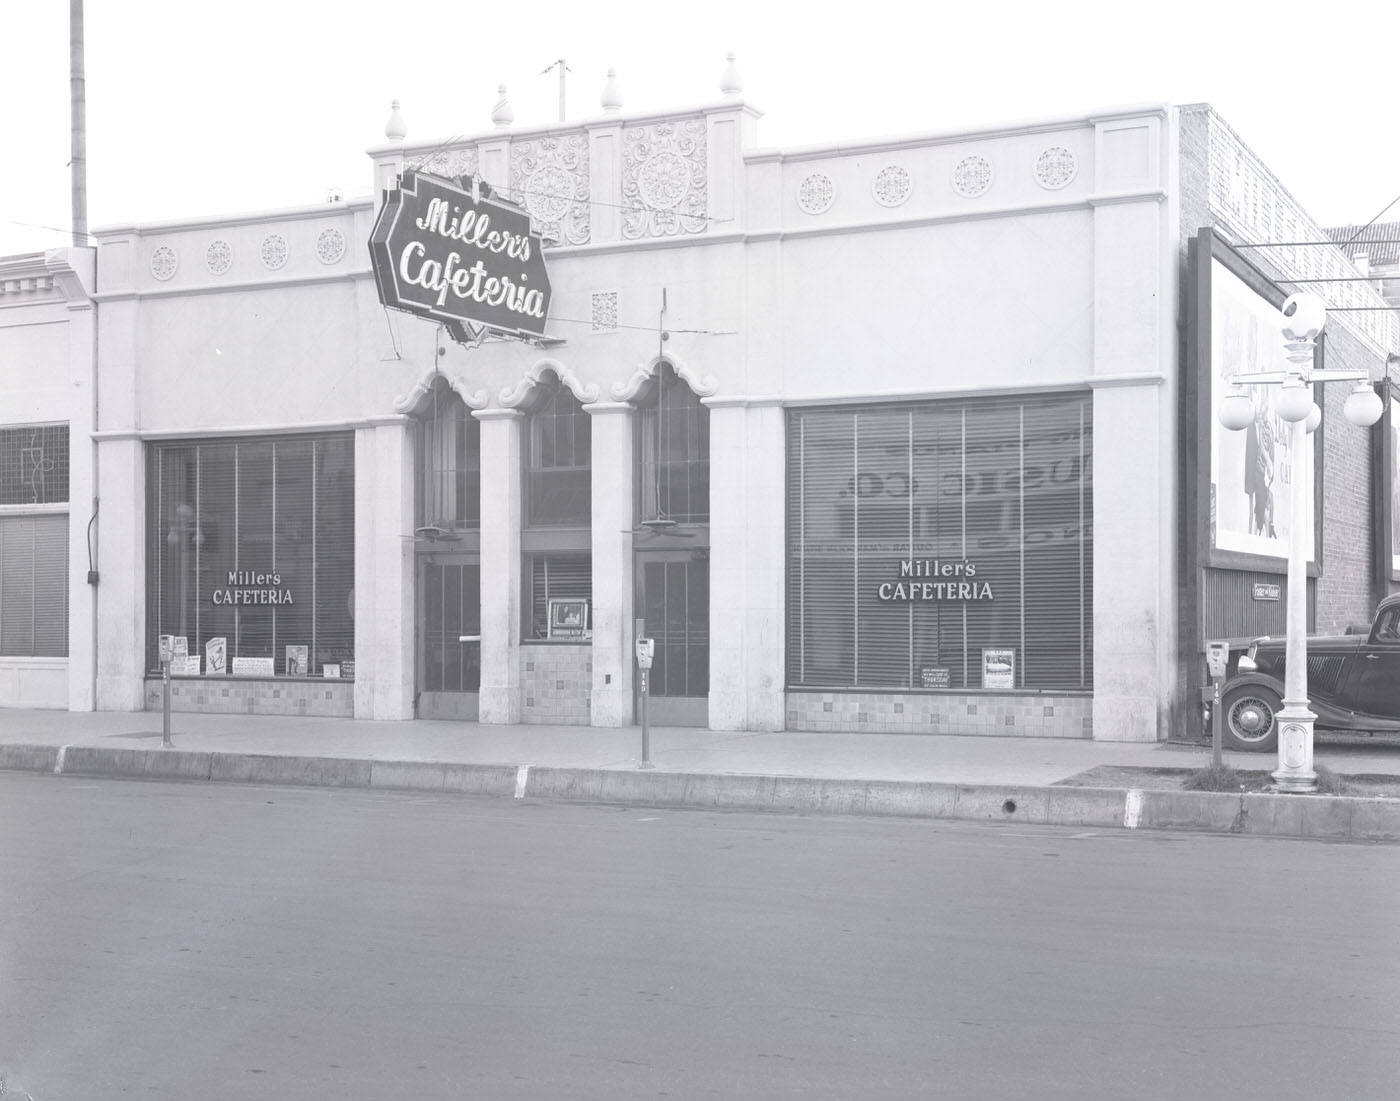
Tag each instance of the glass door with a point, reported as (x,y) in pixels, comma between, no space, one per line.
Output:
(673,597)
(449,607)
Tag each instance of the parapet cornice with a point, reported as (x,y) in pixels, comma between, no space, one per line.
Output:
(951,136)
(247,218)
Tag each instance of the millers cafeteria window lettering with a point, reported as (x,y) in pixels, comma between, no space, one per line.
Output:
(915,589)
(253,595)
(250,551)
(921,534)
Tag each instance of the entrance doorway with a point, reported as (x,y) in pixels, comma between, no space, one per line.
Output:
(449,606)
(673,597)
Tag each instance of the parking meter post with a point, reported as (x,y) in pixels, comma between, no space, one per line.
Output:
(1217,665)
(646,727)
(165,704)
(646,648)
(1215,735)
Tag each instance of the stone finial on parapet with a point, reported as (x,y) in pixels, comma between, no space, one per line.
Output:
(612,95)
(395,129)
(731,83)
(502,115)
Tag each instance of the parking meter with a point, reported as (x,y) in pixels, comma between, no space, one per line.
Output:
(1217,662)
(646,649)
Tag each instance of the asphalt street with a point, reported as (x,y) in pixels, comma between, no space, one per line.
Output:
(176,941)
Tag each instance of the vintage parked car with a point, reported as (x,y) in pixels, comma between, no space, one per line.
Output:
(1353,683)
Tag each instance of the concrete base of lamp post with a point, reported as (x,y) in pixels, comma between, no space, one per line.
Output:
(1295,748)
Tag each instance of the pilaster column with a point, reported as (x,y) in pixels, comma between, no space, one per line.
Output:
(746,566)
(121,604)
(384,613)
(501,490)
(605,182)
(1135,398)
(613,490)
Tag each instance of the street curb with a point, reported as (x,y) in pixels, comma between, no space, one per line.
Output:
(1346,818)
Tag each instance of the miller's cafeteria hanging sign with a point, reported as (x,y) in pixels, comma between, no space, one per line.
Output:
(460,256)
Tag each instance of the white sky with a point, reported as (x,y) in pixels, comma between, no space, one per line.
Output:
(200,108)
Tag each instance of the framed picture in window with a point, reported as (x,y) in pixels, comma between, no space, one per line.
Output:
(568,618)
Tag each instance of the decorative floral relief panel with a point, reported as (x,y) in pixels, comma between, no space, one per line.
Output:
(451,163)
(664,179)
(549,177)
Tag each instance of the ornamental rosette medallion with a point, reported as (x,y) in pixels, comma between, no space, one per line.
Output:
(330,245)
(816,193)
(164,262)
(972,176)
(274,251)
(892,186)
(1055,168)
(549,178)
(218,257)
(664,179)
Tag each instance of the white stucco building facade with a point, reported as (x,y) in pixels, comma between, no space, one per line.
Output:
(865,349)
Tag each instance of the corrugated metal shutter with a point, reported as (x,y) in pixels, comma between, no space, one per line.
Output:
(996,492)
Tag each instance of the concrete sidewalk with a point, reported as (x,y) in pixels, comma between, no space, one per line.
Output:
(933,775)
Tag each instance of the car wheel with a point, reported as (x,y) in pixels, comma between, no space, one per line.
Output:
(1251,718)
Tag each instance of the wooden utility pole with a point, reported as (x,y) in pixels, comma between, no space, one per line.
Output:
(78,97)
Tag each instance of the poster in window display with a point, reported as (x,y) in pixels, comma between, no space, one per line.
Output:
(215,656)
(568,618)
(998,668)
(297,658)
(1250,470)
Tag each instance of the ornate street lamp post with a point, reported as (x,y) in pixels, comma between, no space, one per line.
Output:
(1303,318)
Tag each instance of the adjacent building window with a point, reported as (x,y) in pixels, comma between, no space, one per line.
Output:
(558,474)
(34,544)
(449,462)
(942,545)
(251,541)
(675,452)
(34,586)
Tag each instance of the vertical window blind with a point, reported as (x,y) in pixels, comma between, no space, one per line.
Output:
(253,541)
(34,547)
(920,536)
(34,586)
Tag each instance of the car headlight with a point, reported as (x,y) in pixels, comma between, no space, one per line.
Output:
(1246,663)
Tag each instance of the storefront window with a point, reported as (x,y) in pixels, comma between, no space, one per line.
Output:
(252,554)
(34,541)
(943,545)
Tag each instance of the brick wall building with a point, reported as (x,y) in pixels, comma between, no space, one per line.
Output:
(1267,236)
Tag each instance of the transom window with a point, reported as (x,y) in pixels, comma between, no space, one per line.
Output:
(449,461)
(675,452)
(558,473)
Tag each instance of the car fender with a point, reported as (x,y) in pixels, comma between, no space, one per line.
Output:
(1259,680)
(1329,717)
